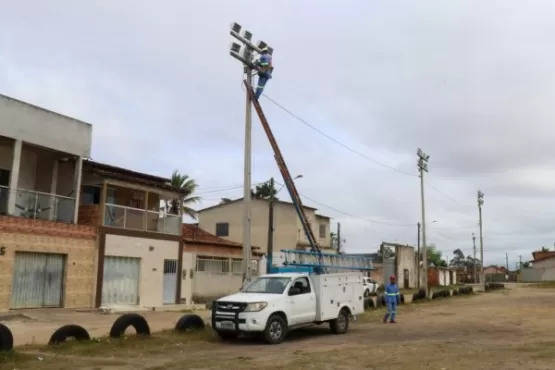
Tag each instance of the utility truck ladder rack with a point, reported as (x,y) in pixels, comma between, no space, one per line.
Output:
(286,175)
(329,261)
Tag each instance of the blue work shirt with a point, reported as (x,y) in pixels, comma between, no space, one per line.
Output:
(391,292)
(265,61)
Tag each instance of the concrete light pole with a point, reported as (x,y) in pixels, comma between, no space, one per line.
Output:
(423,167)
(480,204)
(245,54)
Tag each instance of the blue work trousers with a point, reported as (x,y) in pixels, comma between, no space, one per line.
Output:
(262,79)
(391,310)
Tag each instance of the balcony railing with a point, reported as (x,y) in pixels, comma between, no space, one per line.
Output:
(38,205)
(139,219)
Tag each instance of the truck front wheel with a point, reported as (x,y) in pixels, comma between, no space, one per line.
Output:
(341,324)
(276,330)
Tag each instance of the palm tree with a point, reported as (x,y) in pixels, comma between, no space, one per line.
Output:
(225,201)
(188,186)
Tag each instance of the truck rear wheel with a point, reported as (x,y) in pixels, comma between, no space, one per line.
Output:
(341,324)
(276,330)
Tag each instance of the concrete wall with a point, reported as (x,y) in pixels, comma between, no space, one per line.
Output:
(535,274)
(151,284)
(202,287)
(38,126)
(406,259)
(77,242)
(288,231)
(548,263)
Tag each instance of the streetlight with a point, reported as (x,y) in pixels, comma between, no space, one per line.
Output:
(244,52)
(271,226)
(418,253)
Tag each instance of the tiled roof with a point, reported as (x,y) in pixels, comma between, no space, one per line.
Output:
(118,173)
(193,234)
(256,198)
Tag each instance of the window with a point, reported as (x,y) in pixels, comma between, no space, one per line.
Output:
(222,229)
(90,195)
(303,285)
(322,231)
(270,285)
(4,178)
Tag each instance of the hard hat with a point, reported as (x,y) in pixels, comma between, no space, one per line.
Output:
(392,277)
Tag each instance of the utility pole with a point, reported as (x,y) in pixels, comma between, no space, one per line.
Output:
(520,262)
(507,260)
(474,276)
(245,54)
(271,226)
(480,204)
(423,167)
(338,237)
(418,268)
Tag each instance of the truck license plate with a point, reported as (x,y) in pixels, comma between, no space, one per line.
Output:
(229,325)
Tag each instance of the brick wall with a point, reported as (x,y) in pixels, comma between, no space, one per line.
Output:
(89,214)
(77,242)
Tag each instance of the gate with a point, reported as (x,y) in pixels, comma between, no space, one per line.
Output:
(38,280)
(170,281)
(120,284)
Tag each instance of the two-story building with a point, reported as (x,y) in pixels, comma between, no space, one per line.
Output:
(77,233)
(226,221)
(46,259)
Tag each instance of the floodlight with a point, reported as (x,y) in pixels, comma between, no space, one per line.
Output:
(235,47)
(236,27)
(261,45)
(247,35)
(270,50)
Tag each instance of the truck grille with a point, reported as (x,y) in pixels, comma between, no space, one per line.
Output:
(231,307)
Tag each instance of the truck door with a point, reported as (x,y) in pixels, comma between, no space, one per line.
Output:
(303,304)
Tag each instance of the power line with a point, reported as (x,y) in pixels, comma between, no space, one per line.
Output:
(335,140)
(350,214)
(345,146)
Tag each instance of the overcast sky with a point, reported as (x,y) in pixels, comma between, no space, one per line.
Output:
(470,82)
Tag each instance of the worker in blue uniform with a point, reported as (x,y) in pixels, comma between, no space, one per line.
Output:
(391,299)
(265,68)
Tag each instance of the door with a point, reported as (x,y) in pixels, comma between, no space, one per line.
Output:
(38,280)
(120,283)
(170,281)
(303,305)
(406,281)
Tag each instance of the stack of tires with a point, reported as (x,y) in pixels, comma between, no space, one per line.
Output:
(494,286)
(441,293)
(419,296)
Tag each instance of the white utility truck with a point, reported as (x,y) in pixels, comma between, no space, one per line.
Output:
(275,304)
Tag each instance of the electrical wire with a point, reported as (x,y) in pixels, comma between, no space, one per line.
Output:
(345,146)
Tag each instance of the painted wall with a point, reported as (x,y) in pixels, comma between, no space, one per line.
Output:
(152,253)
(38,126)
(406,259)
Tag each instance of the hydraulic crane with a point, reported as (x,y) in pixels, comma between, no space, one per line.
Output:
(297,260)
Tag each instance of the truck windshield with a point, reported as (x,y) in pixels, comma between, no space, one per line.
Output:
(271,285)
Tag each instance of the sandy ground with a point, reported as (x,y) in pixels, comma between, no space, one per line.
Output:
(511,329)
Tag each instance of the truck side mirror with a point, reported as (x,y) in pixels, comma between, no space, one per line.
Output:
(294,291)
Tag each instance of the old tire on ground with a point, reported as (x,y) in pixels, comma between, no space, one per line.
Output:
(66,332)
(379,301)
(368,303)
(416,297)
(276,330)
(123,322)
(228,335)
(455,292)
(189,323)
(341,324)
(382,300)
(401,298)
(6,339)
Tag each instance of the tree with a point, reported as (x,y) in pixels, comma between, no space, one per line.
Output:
(458,259)
(225,201)
(188,186)
(387,253)
(434,256)
(265,190)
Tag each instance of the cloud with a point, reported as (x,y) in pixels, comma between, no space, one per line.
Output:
(469,83)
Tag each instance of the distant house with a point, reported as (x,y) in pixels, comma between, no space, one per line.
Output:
(225,220)
(543,259)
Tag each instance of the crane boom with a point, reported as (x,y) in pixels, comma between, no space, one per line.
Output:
(289,183)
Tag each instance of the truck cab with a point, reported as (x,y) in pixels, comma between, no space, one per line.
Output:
(275,304)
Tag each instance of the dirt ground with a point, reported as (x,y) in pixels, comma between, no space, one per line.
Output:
(510,329)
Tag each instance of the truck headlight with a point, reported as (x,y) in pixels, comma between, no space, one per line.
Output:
(256,306)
